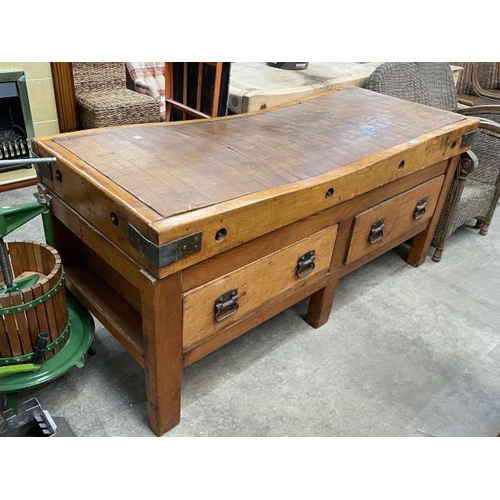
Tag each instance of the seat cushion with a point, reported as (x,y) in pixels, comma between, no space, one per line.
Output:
(149,78)
(105,108)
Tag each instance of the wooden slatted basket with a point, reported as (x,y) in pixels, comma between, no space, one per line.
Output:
(41,308)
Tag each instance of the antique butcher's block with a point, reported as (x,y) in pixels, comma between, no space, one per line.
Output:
(181,236)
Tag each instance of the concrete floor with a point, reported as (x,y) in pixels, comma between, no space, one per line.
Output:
(406,352)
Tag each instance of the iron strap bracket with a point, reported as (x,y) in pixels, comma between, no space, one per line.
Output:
(44,170)
(163,255)
(468,138)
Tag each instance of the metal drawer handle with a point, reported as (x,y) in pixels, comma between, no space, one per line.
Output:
(377,231)
(306,264)
(420,208)
(226,305)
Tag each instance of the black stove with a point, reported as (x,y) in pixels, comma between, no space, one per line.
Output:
(16,126)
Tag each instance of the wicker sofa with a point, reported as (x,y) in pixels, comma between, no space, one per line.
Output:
(104,100)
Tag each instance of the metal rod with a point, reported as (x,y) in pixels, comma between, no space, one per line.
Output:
(26,161)
(44,199)
(8,278)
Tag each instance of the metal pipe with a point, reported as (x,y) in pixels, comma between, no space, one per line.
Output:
(47,228)
(26,161)
(44,199)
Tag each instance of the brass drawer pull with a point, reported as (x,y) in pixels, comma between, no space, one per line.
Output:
(377,231)
(226,305)
(420,208)
(305,264)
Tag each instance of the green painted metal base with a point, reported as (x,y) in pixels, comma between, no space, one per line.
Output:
(20,284)
(72,354)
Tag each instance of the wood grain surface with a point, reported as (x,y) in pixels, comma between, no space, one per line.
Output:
(175,169)
(257,283)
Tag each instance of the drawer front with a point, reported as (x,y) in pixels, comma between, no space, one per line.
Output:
(386,221)
(212,307)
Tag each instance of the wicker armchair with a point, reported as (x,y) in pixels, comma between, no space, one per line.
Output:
(479,83)
(475,191)
(103,98)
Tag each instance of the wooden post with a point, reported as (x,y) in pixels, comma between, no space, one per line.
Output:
(217,85)
(169,90)
(422,242)
(162,335)
(64,91)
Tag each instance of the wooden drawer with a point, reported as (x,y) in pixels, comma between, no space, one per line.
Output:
(386,221)
(211,307)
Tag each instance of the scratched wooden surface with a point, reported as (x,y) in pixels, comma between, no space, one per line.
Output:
(174,169)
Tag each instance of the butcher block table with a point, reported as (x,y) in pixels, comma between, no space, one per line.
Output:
(179,237)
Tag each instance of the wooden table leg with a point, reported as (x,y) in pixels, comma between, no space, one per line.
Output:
(321,302)
(162,333)
(422,242)
(419,248)
(320,305)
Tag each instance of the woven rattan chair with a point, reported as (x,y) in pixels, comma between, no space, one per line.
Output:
(475,191)
(479,83)
(103,98)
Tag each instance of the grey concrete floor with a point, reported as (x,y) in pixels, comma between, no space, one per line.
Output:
(406,352)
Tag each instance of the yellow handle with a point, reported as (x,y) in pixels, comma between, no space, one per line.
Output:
(26,367)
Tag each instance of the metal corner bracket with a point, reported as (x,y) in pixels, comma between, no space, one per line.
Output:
(468,138)
(163,255)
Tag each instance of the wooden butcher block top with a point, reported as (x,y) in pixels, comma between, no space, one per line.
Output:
(245,174)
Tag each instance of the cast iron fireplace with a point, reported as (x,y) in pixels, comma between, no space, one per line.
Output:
(16,125)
